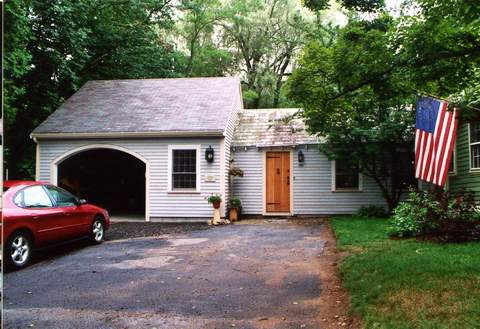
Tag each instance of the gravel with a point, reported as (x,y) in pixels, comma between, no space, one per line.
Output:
(126,230)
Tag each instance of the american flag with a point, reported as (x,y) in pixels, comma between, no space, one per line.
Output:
(435,133)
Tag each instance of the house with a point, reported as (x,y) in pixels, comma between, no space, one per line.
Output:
(465,165)
(155,149)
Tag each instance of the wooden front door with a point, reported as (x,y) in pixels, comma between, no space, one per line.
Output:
(278,182)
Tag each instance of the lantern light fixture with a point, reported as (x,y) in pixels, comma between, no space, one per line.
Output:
(209,154)
(301,156)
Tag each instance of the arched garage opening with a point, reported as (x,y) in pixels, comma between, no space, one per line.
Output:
(108,177)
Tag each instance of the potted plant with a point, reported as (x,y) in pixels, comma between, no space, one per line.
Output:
(235,205)
(215,200)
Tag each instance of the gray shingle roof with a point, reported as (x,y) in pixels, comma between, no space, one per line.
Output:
(147,105)
(271,127)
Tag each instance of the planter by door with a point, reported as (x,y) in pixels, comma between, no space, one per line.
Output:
(278,182)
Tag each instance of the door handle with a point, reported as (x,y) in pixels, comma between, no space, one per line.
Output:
(36,217)
(66,213)
(288,180)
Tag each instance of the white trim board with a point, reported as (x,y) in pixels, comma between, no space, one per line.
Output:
(474,169)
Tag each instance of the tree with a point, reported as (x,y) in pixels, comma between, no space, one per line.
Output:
(55,46)
(197,28)
(266,37)
(358,92)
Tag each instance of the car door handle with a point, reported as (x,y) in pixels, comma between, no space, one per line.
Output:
(66,213)
(36,217)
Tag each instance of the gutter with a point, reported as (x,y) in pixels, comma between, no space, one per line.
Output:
(214,133)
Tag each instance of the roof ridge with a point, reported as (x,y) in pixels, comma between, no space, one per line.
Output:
(181,78)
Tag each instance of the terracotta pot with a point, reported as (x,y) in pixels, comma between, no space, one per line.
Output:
(233,215)
(216,204)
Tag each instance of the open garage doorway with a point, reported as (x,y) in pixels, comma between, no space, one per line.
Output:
(112,179)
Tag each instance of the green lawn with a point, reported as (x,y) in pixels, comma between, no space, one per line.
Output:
(407,283)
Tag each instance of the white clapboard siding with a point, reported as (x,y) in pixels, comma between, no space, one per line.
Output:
(162,205)
(249,188)
(312,185)
(229,131)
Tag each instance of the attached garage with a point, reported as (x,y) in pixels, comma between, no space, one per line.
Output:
(138,147)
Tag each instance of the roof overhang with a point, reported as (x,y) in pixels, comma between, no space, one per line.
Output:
(89,135)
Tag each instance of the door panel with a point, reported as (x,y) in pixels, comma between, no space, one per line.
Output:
(278,182)
(74,219)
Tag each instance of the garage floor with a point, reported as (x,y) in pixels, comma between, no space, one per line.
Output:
(255,274)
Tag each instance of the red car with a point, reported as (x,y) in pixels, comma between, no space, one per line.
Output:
(36,214)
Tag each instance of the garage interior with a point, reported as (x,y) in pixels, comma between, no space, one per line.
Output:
(111,179)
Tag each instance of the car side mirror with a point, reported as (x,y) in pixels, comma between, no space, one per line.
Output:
(81,202)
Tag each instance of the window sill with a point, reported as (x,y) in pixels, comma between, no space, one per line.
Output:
(347,191)
(183,192)
(474,171)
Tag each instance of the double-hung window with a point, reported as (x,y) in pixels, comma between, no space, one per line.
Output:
(184,168)
(474,145)
(346,176)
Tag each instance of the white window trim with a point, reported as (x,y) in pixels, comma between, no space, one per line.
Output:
(470,144)
(334,182)
(195,147)
(453,172)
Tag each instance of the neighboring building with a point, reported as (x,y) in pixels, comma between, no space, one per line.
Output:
(138,148)
(465,166)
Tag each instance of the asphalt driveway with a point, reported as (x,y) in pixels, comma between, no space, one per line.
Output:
(255,274)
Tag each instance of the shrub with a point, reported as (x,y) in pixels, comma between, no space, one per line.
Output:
(437,213)
(372,211)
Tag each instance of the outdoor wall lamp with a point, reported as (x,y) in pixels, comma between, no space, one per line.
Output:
(209,154)
(301,156)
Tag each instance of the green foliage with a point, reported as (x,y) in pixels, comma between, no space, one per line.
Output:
(197,28)
(371,211)
(409,218)
(359,5)
(358,91)
(407,283)
(437,213)
(211,62)
(235,203)
(265,38)
(214,198)
(53,47)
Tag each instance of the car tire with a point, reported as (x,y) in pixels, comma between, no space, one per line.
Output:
(97,230)
(18,250)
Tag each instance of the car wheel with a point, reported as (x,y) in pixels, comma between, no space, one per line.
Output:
(97,234)
(18,251)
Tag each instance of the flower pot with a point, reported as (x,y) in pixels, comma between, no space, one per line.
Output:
(233,215)
(216,204)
